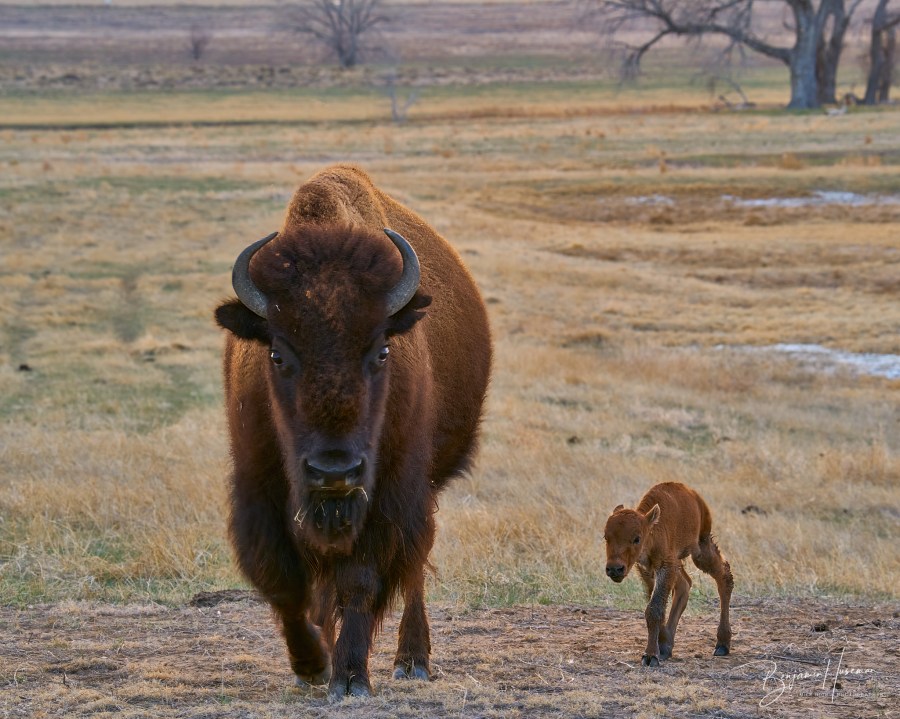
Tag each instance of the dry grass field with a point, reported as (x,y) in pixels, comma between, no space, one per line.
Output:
(640,252)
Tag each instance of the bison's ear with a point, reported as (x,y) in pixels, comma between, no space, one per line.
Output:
(409,315)
(242,322)
(653,515)
(619,508)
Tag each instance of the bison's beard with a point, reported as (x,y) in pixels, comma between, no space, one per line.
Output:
(331,520)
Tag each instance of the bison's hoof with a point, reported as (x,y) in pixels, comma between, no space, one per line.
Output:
(359,688)
(356,687)
(721,651)
(411,670)
(305,681)
(665,651)
(650,661)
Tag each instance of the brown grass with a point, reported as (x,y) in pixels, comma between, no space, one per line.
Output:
(621,328)
(609,375)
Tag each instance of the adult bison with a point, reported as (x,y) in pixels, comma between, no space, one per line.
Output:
(349,407)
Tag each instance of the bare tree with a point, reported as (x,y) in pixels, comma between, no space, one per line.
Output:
(882,54)
(200,36)
(339,25)
(399,108)
(818,28)
(831,45)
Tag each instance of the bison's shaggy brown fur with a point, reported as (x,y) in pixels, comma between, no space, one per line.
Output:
(670,523)
(346,421)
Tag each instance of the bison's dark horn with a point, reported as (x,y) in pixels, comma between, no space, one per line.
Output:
(404,290)
(248,293)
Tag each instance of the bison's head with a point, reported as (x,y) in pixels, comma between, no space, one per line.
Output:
(626,535)
(322,307)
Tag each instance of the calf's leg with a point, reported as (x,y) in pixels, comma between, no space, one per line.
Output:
(679,602)
(656,610)
(647,579)
(709,559)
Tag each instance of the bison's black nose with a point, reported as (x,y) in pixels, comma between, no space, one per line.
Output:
(334,470)
(615,571)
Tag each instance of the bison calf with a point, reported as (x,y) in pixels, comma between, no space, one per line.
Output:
(671,522)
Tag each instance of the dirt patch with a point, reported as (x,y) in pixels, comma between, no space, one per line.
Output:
(790,659)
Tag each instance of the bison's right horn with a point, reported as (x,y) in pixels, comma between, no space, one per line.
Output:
(248,293)
(406,287)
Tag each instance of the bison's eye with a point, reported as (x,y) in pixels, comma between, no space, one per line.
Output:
(637,540)
(276,358)
(382,356)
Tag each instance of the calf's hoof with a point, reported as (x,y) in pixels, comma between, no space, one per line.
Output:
(721,651)
(649,661)
(411,670)
(353,687)
(665,651)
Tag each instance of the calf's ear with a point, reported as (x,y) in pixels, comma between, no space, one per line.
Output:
(653,515)
(621,506)
(242,322)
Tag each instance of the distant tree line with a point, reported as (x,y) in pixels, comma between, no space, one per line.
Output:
(339,25)
(818,29)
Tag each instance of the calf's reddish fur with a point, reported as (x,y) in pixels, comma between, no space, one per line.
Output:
(670,523)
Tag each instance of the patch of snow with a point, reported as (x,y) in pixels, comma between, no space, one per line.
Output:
(879,365)
(818,357)
(652,200)
(819,198)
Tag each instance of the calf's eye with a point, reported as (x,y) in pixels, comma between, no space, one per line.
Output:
(637,540)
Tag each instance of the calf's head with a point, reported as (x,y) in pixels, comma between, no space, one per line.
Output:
(321,308)
(626,534)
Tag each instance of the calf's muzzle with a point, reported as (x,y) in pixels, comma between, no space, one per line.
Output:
(616,572)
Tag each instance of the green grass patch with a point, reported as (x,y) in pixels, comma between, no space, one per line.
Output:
(140,396)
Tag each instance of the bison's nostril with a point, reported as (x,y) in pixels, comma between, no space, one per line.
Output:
(313,475)
(613,570)
(331,472)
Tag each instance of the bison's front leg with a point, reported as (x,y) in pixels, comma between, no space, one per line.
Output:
(308,657)
(268,559)
(360,599)
(414,640)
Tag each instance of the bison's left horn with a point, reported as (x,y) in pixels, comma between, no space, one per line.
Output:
(248,293)
(404,290)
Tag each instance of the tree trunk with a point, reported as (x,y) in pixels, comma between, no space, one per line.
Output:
(829,51)
(882,50)
(890,51)
(802,63)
